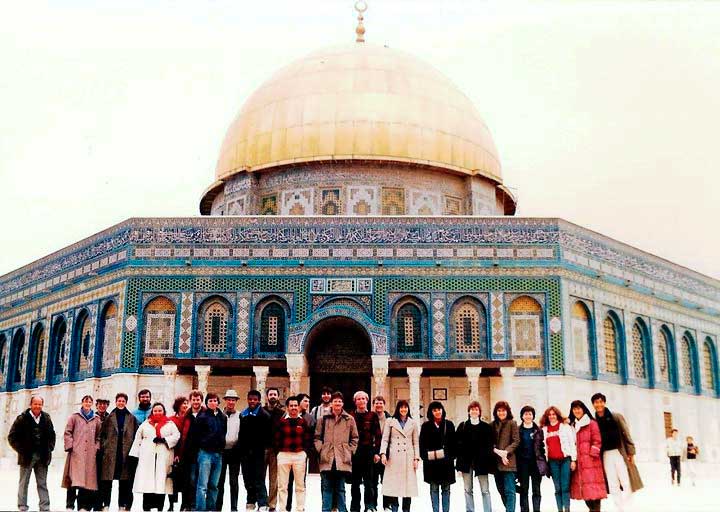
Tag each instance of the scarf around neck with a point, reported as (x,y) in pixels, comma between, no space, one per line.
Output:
(582,422)
(87,416)
(158,423)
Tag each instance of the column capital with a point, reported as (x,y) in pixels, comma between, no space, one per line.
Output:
(507,372)
(414,372)
(293,361)
(170,370)
(261,372)
(380,363)
(473,372)
(203,369)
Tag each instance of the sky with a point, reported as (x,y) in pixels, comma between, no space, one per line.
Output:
(605,114)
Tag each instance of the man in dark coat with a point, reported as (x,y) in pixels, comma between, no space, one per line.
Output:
(188,451)
(618,453)
(254,439)
(211,427)
(116,438)
(32,436)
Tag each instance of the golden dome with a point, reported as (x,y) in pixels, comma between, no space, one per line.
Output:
(359,102)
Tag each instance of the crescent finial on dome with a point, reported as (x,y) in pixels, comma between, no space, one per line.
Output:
(360,7)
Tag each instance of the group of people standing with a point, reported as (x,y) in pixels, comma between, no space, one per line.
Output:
(194,451)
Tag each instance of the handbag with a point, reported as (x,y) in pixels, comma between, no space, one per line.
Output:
(439,454)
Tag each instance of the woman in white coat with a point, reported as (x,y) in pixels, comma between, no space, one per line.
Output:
(153,446)
(400,453)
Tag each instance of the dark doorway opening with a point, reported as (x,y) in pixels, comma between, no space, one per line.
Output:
(338,353)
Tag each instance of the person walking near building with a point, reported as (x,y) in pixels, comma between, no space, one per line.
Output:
(211,429)
(379,467)
(507,440)
(587,482)
(437,450)
(188,452)
(143,409)
(366,455)
(531,462)
(32,436)
(254,439)
(116,439)
(400,456)
(292,440)
(559,439)
(82,441)
(618,453)
(230,455)
(317,412)
(674,450)
(153,446)
(276,411)
(691,454)
(180,407)
(475,442)
(336,440)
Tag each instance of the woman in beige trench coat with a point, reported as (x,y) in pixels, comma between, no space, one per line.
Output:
(400,453)
(82,441)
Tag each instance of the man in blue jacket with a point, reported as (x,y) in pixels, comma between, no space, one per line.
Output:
(211,427)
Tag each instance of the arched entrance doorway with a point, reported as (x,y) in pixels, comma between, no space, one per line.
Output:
(338,353)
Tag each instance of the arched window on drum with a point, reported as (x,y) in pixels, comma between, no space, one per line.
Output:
(688,361)
(468,328)
(3,353)
(58,350)
(17,359)
(81,351)
(107,336)
(640,356)
(611,342)
(214,328)
(159,332)
(709,367)
(410,328)
(38,345)
(526,327)
(581,332)
(273,324)
(664,349)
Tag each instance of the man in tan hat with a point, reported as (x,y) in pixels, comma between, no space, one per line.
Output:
(231,454)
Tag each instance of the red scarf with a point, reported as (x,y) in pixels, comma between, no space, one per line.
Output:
(158,422)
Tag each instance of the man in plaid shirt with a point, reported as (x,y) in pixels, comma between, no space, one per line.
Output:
(293,439)
(367,454)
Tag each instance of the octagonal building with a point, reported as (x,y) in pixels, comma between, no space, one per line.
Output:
(357,234)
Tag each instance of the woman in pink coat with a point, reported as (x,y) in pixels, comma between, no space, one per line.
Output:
(588,480)
(82,441)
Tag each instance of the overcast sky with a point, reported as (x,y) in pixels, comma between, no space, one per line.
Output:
(606,114)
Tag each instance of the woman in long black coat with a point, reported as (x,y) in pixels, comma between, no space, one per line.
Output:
(437,450)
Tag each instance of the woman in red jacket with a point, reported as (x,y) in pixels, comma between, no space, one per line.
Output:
(588,480)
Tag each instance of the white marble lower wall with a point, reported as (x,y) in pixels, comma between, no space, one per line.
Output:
(643,408)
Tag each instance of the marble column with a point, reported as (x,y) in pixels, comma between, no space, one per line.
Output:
(296,370)
(473,375)
(261,373)
(380,370)
(170,373)
(414,373)
(203,372)
(507,374)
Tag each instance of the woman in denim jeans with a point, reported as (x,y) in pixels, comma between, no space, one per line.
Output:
(475,440)
(437,448)
(507,439)
(561,453)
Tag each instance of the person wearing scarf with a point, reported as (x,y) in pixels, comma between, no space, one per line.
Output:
(154,446)
(588,480)
(82,442)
